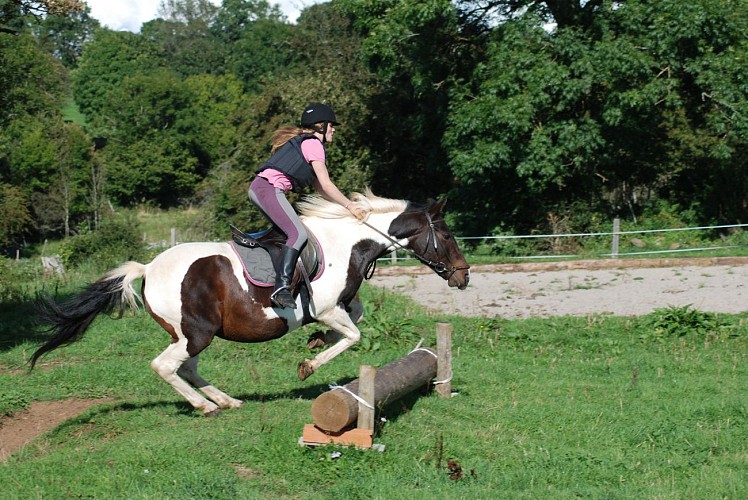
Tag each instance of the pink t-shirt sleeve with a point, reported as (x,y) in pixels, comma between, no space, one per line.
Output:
(313,150)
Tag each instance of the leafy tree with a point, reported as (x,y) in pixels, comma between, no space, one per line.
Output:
(31,81)
(15,216)
(153,169)
(50,161)
(65,35)
(604,116)
(183,37)
(105,62)
(414,50)
(14,12)
(257,39)
(562,13)
(263,49)
(210,123)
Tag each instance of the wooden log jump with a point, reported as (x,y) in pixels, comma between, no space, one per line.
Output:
(336,409)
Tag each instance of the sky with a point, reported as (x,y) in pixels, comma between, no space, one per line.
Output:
(129,15)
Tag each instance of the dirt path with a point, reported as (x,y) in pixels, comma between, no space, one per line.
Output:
(41,417)
(622,288)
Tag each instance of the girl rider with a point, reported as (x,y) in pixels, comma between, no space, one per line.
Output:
(297,161)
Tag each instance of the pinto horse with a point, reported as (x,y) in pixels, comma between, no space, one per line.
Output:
(198,291)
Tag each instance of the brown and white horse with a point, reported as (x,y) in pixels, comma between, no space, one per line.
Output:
(198,291)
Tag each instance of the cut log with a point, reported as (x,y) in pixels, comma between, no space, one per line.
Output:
(336,409)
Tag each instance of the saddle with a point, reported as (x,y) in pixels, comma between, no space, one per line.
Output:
(260,255)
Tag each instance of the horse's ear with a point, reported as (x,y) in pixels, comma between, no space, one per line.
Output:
(438,207)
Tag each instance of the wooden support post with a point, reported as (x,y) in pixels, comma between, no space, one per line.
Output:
(444,359)
(174,236)
(366,387)
(336,409)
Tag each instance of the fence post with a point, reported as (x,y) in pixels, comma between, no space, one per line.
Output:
(366,384)
(444,359)
(174,236)
(616,231)
(393,257)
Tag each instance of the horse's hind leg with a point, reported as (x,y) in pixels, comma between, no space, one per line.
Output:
(188,371)
(168,363)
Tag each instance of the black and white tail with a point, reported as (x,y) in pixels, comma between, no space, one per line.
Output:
(69,320)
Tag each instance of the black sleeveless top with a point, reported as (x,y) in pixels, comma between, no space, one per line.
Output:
(290,160)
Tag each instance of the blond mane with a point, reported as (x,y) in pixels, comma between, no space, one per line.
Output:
(316,206)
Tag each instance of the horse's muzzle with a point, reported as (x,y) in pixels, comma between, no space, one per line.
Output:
(460,277)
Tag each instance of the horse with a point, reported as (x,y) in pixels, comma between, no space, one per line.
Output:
(198,291)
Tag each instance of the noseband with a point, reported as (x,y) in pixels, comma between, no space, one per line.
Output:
(438,267)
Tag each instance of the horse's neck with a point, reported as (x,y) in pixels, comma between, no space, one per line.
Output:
(338,233)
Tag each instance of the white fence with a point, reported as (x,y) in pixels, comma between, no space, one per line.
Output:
(615,241)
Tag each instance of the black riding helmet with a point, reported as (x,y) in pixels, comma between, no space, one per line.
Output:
(318,113)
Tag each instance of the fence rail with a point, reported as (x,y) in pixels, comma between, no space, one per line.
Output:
(615,234)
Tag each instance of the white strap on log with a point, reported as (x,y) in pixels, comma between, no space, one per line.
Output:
(355,396)
(419,348)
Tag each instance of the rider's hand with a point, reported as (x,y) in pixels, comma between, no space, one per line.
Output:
(358,210)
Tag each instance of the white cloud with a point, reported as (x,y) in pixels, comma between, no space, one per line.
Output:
(129,15)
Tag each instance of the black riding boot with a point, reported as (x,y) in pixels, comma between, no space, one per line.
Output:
(282,296)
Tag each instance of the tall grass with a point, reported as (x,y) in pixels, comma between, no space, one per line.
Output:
(600,407)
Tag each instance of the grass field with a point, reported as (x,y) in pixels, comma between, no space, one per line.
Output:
(596,407)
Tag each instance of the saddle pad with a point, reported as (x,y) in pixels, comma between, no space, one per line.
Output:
(258,267)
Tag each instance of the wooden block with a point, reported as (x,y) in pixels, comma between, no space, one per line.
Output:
(360,438)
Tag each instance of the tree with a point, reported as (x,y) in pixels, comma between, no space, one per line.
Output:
(31,81)
(13,12)
(154,169)
(49,160)
(105,62)
(15,217)
(562,13)
(183,37)
(614,117)
(65,35)
(257,38)
(414,51)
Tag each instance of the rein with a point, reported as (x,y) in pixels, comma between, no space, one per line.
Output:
(439,268)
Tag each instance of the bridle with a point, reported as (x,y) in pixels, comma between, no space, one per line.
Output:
(438,267)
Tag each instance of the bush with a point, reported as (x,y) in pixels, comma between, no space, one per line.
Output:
(117,241)
(17,280)
(680,321)
(12,402)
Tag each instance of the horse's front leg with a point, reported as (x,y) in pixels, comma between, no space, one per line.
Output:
(355,311)
(340,321)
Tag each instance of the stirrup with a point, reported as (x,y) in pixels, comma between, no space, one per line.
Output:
(283,300)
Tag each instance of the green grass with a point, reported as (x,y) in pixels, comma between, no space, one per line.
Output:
(599,407)
(70,112)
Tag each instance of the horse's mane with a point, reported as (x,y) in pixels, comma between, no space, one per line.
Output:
(316,206)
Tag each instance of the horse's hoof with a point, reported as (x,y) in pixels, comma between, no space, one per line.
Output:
(305,369)
(317,339)
(213,413)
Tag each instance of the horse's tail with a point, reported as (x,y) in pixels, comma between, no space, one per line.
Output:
(69,320)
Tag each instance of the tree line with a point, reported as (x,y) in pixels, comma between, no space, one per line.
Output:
(529,115)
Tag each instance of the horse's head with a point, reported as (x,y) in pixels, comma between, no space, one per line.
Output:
(432,242)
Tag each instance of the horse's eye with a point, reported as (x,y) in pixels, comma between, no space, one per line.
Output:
(447,236)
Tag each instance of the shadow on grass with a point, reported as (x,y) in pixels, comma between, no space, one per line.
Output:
(184,408)
(18,325)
